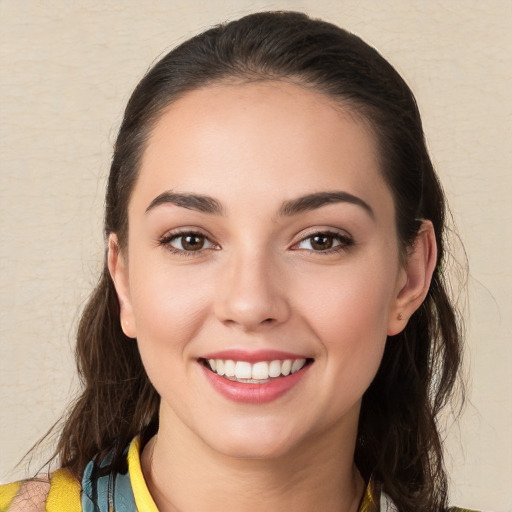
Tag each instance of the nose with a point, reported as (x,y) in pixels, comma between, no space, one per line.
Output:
(252,293)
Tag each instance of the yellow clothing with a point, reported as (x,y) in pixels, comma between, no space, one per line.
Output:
(63,493)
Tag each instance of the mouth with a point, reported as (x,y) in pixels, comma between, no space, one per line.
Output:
(260,372)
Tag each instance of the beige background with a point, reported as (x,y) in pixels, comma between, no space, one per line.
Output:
(67,69)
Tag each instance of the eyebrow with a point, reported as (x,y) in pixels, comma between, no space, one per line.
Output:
(209,205)
(200,203)
(319,199)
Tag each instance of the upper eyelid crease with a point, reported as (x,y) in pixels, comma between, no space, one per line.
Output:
(344,238)
(180,234)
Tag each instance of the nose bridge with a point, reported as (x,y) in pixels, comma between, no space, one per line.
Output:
(250,293)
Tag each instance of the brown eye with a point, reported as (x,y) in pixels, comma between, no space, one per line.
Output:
(321,242)
(192,242)
(188,242)
(325,242)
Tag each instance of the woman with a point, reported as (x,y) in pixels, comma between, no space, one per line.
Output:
(271,330)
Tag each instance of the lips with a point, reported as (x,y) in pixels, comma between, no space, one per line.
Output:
(255,377)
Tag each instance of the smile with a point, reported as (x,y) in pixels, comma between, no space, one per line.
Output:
(254,377)
(255,373)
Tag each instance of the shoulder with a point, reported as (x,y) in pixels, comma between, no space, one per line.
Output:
(28,495)
(57,492)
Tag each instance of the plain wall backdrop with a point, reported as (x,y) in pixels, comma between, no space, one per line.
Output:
(66,71)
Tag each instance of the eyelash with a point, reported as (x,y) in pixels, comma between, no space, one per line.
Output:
(345,241)
(166,240)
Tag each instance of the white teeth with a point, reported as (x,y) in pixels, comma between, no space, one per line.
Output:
(260,371)
(274,369)
(298,364)
(286,367)
(243,370)
(229,368)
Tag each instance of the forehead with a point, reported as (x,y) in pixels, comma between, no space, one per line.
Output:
(274,139)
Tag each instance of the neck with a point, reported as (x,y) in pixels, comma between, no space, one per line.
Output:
(184,474)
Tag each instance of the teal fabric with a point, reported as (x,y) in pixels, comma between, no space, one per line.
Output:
(107,493)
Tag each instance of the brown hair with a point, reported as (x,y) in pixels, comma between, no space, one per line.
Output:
(398,441)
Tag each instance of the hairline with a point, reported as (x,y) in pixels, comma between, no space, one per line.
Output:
(352,108)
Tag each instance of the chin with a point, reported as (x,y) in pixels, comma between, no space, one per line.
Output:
(253,443)
(265,451)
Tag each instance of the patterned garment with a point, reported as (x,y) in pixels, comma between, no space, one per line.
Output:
(128,492)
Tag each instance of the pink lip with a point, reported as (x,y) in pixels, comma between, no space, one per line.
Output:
(254,393)
(253,357)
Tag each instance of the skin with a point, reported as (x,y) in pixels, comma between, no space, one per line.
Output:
(259,283)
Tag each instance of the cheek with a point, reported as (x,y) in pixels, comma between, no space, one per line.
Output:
(169,303)
(169,309)
(352,299)
(348,311)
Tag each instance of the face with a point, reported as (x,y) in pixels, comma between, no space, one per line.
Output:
(261,246)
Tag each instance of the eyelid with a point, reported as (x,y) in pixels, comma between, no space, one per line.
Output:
(346,240)
(167,238)
(307,233)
